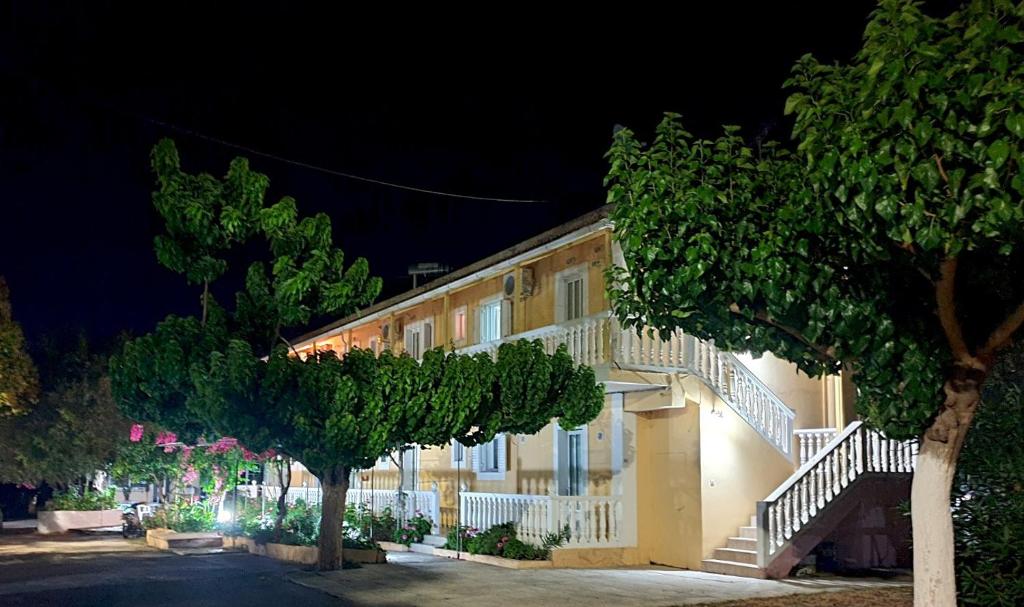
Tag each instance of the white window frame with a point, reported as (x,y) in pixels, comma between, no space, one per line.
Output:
(562,279)
(421,333)
(383,462)
(561,468)
(462,311)
(486,304)
(459,453)
(500,444)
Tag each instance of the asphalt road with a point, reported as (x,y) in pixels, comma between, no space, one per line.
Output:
(151,579)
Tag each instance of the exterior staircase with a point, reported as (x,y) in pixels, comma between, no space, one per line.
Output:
(855,467)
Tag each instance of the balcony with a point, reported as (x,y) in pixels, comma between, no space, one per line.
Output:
(600,342)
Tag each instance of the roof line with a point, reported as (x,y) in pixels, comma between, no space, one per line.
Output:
(589,219)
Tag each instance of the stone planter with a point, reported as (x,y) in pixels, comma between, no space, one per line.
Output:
(308,555)
(393,547)
(165,539)
(61,521)
(495,561)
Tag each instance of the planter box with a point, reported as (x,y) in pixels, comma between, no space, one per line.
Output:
(496,561)
(308,555)
(165,539)
(61,521)
(393,547)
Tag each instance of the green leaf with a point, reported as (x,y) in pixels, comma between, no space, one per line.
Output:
(998,151)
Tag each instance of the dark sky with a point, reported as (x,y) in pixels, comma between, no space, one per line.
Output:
(516,105)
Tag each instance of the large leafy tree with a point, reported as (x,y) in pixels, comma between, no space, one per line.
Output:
(233,371)
(19,382)
(886,241)
(74,430)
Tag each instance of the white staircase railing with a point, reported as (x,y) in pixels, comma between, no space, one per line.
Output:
(852,453)
(592,521)
(589,339)
(813,440)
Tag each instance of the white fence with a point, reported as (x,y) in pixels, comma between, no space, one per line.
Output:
(592,521)
(377,500)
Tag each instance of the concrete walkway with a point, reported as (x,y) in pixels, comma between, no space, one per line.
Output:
(416,579)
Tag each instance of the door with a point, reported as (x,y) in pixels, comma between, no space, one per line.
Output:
(571,460)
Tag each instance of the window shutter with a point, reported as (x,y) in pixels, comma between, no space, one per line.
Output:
(506,317)
(473,460)
(560,299)
(428,336)
(501,442)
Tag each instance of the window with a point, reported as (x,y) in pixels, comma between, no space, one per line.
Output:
(489,459)
(382,463)
(459,324)
(373,346)
(458,454)
(419,337)
(571,294)
(490,320)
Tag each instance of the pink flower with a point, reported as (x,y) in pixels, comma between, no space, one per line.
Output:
(28,486)
(190,476)
(136,433)
(186,453)
(164,438)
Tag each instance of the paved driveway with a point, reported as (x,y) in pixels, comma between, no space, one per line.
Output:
(415,579)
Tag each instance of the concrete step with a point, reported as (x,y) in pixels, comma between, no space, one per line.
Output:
(421,548)
(747,557)
(732,568)
(748,532)
(434,540)
(742,543)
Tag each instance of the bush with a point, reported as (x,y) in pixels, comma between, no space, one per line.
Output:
(184,517)
(521,551)
(301,525)
(90,500)
(414,530)
(452,539)
(500,540)
(361,522)
(988,494)
(493,540)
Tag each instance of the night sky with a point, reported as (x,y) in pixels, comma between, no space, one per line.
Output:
(517,105)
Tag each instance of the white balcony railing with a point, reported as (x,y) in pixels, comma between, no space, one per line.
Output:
(598,339)
(813,440)
(592,521)
(850,454)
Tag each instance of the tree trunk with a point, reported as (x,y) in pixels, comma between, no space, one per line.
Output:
(284,478)
(335,488)
(934,572)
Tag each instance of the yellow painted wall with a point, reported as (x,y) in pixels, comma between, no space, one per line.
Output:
(737,469)
(804,394)
(668,486)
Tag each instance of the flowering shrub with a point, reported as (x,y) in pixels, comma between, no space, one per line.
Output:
(452,539)
(361,522)
(414,530)
(135,435)
(72,499)
(184,516)
(500,540)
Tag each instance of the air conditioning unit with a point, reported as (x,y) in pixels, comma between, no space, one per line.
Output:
(510,285)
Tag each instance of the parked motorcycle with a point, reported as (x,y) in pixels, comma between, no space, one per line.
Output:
(131,526)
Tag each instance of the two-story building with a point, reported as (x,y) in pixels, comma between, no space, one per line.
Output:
(700,458)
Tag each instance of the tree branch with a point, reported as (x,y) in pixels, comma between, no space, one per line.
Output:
(942,171)
(945,297)
(824,354)
(1000,337)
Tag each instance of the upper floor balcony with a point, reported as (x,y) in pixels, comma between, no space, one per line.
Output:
(600,342)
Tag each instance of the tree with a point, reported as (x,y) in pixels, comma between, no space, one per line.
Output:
(19,383)
(234,372)
(887,242)
(74,430)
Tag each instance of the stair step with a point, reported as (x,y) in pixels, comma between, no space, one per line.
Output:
(421,548)
(742,543)
(732,568)
(748,532)
(747,557)
(435,540)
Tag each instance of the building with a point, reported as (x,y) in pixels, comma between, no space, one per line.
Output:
(700,458)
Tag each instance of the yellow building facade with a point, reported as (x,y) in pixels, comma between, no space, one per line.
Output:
(690,439)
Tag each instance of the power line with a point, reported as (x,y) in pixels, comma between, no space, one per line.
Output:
(306,165)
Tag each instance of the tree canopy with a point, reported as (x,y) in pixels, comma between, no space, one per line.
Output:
(19,383)
(885,239)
